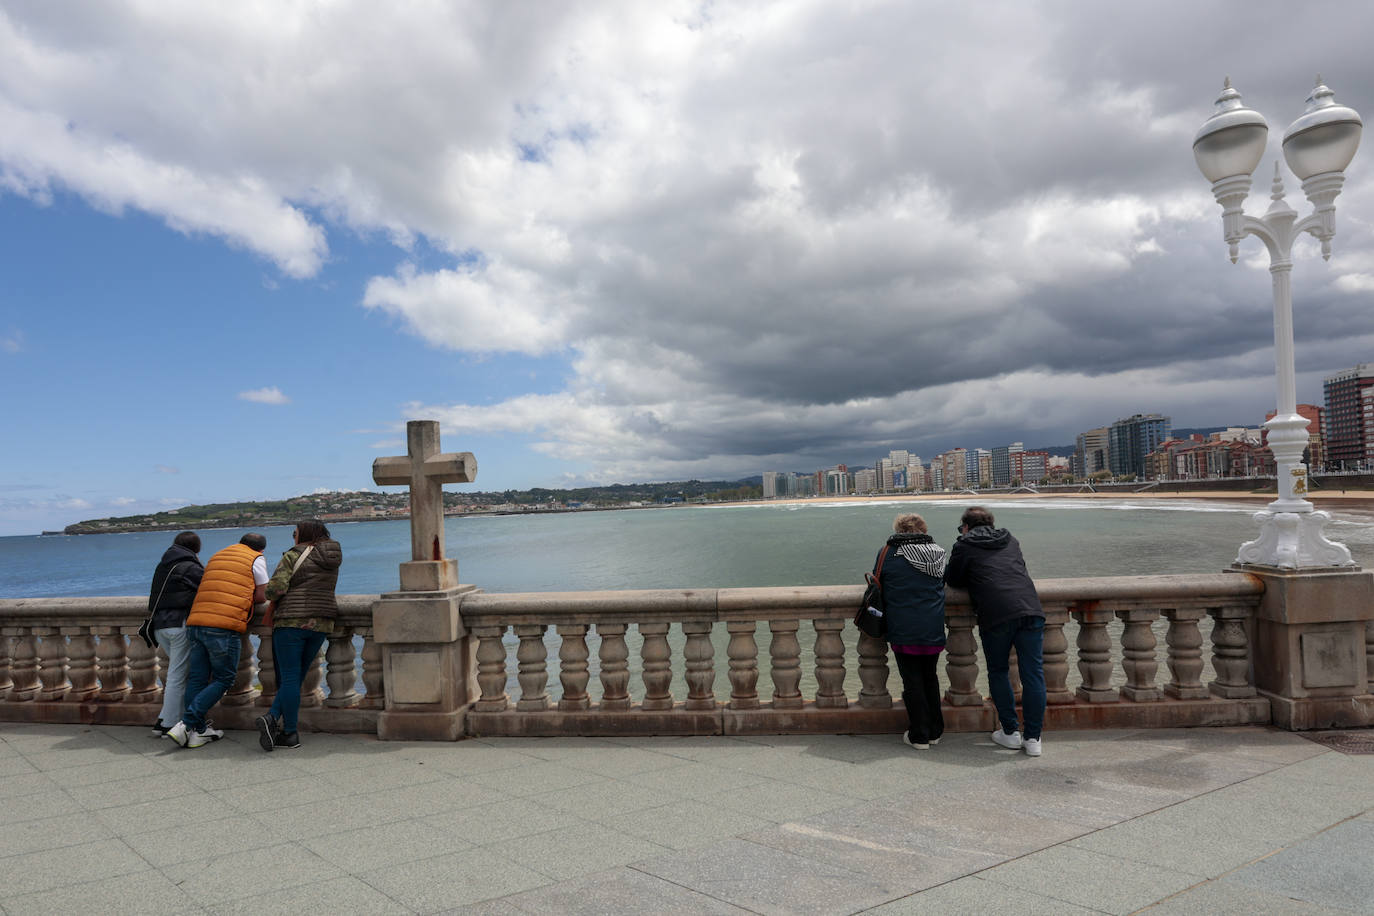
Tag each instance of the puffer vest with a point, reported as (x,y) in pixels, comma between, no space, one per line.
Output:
(225,597)
(311,590)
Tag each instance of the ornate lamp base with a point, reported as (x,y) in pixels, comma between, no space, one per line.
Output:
(1292,540)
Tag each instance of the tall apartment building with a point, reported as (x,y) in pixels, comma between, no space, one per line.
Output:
(770,484)
(1092,452)
(1001,463)
(954,467)
(979,467)
(1131,439)
(865,480)
(1343,432)
(1030,467)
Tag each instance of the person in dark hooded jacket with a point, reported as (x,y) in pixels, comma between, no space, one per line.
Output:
(987,562)
(303,613)
(912,577)
(175,582)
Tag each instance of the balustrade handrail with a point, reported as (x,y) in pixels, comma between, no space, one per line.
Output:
(701,604)
(120,610)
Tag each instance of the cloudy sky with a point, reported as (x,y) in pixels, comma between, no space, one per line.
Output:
(241,244)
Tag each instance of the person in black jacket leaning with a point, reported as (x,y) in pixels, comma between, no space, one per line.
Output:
(175,582)
(912,577)
(987,562)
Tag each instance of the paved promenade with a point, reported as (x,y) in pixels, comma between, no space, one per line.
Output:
(106,820)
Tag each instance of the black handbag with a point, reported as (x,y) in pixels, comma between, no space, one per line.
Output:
(871,617)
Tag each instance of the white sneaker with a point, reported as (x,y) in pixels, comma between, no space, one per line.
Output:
(177,733)
(199,739)
(209,731)
(1032,746)
(1012,741)
(906,739)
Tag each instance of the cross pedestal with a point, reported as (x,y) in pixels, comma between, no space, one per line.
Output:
(429,661)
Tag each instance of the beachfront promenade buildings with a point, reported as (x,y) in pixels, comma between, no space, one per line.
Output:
(1346,425)
(1141,447)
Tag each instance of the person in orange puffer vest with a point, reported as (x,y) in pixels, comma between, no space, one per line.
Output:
(235,579)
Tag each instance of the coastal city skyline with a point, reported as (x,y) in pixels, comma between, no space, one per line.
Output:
(630,242)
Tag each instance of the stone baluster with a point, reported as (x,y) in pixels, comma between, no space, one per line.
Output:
(784,653)
(961,664)
(1369,653)
(873,673)
(312,681)
(85,685)
(615,666)
(24,681)
(1138,655)
(1056,657)
(341,669)
(1230,653)
(5,681)
(830,663)
(532,661)
(572,667)
(52,664)
(242,693)
(656,657)
(491,669)
(744,664)
(1184,640)
(375,687)
(143,669)
(1095,657)
(699,656)
(267,668)
(112,662)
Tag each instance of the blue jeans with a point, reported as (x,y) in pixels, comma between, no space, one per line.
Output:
(178,646)
(293,651)
(214,665)
(1027,636)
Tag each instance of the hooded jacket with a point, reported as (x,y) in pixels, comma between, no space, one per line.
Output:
(174,587)
(914,590)
(987,561)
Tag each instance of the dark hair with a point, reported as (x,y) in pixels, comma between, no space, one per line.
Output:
(976,517)
(255,541)
(188,539)
(310,531)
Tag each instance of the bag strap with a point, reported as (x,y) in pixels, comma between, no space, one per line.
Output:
(161,591)
(878,570)
(301,559)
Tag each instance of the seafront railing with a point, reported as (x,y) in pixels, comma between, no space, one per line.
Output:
(82,660)
(1142,651)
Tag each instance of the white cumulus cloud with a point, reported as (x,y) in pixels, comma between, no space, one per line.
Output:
(272,395)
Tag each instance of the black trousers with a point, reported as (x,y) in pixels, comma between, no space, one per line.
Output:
(921,694)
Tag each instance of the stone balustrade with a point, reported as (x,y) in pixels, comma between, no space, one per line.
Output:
(82,660)
(1144,651)
(810,650)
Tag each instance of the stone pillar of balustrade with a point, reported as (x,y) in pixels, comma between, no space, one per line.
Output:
(5,682)
(1311,646)
(1056,657)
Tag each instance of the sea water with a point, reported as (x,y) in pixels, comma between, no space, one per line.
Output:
(807,543)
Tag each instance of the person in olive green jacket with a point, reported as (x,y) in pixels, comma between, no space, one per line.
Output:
(303,614)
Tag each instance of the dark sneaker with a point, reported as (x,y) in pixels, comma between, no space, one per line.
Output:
(287,739)
(159,729)
(267,731)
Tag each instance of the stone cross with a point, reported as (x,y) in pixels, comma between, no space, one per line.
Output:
(425,471)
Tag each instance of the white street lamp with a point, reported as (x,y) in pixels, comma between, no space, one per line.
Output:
(1318,146)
